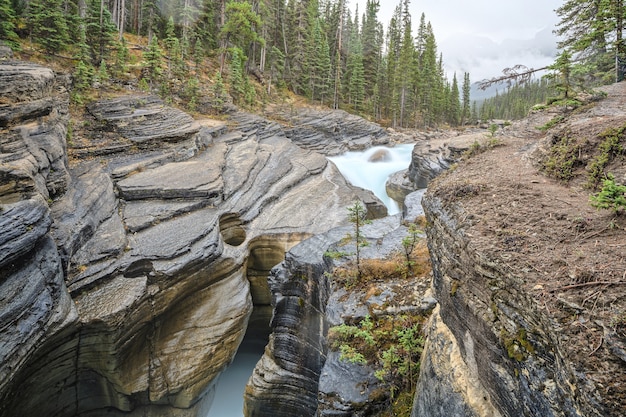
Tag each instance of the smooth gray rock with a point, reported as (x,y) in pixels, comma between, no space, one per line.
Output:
(22,225)
(345,388)
(89,202)
(159,240)
(143,119)
(330,132)
(35,305)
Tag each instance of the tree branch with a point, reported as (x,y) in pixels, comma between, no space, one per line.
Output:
(518,74)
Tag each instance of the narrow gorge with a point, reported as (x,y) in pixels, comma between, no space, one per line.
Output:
(137,244)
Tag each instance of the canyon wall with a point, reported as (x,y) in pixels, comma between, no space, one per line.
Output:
(129,270)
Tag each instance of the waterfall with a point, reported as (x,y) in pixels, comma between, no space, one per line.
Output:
(371,168)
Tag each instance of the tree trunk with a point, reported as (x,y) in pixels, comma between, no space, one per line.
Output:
(122,18)
(338,62)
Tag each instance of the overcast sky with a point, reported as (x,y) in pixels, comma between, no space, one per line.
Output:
(483,37)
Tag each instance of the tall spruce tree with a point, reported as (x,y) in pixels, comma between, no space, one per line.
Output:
(48,25)
(240,28)
(406,70)
(372,38)
(591,30)
(454,104)
(7,25)
(152,64)
(356,82)
(99,31)
(466,112)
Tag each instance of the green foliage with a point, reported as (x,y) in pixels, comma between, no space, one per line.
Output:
(7,25)
(143,85)
(48,25)
(350,354)
(392,345)
(240,28)
(562,159)
(551,123)
(102,75)
(561,73)
(609,149)
(236,76)
(100,31)
(357,216)
(152,64)
(517,100)
(612,196)
(591,30)
(409,243)
(219,92)
(81,81)
(192,92)
(476,147)
(121,58)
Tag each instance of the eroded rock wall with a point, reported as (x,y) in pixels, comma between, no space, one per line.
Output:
(492,348)
(126,279)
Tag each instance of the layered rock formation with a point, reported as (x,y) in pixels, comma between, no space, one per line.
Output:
(299,374)
(514,333)
(129,278)
(330,132)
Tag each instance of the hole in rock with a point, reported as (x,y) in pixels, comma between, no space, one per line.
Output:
(231,229)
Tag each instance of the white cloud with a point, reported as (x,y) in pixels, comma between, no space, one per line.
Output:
(484,58)
(483,37)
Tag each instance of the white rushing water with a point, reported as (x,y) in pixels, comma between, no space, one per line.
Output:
(357,168)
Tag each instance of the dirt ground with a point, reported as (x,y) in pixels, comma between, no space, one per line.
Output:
(573,256)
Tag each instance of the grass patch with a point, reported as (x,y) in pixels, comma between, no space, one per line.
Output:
(390,344)
(610,148)
(563,158)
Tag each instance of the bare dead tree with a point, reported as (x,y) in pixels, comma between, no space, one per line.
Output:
(518,74)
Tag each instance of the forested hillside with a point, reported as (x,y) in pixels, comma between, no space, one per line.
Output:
(323,50)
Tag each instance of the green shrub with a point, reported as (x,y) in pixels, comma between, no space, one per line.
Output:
(612,196)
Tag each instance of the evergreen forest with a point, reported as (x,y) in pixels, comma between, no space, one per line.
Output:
(252,52)
(248,52)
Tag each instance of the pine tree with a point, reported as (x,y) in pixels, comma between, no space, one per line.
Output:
(153,63)
(394,42)
(562,73)
(236,77)
(220,95)
(372,45)
(121,58)
(99,31)
(318,64)
(48,25)
(465,112)
(240,28)
(429,79)
(454,103)
(592,31)
(205,29)
(7,25)
(356,83)
(406,69)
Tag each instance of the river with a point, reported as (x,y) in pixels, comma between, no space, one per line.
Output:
(358,168)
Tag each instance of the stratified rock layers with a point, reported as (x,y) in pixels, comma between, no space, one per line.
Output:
(125,281)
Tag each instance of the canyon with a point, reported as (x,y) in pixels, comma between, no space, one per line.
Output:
(137,245)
